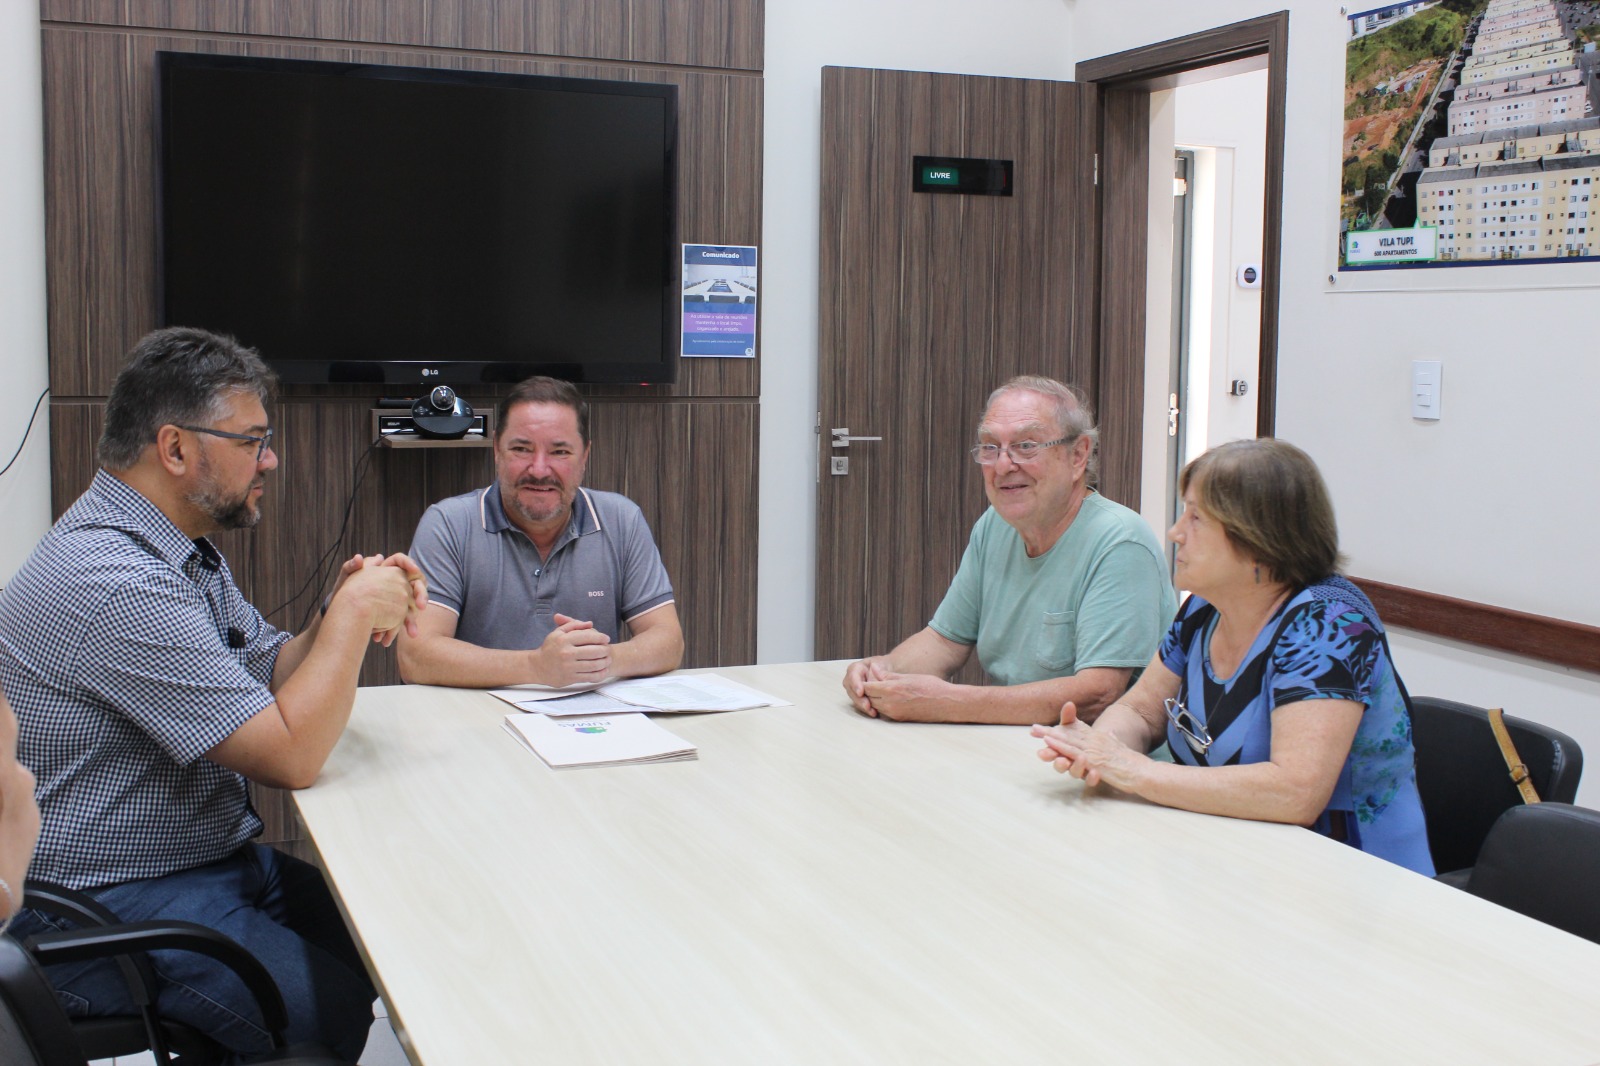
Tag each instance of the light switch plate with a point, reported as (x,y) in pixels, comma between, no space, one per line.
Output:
(1426,378)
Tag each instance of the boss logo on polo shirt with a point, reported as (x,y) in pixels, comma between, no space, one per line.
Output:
(597,592)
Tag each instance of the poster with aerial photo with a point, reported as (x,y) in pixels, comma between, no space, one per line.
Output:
(1471,134)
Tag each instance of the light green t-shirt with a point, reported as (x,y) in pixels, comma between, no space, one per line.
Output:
(1099,597)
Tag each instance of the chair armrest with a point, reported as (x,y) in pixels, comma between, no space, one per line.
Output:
(66,902)
(86,911)
(81,945)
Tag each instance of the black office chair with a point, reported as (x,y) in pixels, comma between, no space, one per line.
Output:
(32,1019)
(1463,779)
(1543,860)
(107,1038)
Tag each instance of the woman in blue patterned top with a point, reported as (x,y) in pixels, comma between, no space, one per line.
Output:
(1273,687)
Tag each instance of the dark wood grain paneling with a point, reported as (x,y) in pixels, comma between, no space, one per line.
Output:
(74,432)
(100,202)
(929,302)
(694,33)
(1550,640)
(1124,261)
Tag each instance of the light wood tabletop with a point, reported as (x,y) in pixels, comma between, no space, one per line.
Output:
(820,887)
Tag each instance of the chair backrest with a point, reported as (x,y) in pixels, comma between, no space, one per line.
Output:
(1544,861)
(34,1030)
(1463,780)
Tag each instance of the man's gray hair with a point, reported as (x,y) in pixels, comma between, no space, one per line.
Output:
(176,376)
(1070,407)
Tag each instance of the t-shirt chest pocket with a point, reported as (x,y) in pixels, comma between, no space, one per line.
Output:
(1058,644)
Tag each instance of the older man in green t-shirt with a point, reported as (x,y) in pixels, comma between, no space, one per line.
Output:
(1063,593)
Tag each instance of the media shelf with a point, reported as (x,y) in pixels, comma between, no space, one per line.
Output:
(388,438)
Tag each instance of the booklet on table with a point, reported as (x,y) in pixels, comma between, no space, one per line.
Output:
(598,740)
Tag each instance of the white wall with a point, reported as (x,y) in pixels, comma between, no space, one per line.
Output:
(1495,503)
(1012,38)
(25,490)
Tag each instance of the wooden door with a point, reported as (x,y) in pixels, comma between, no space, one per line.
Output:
(928,301)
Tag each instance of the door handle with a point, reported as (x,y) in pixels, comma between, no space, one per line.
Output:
(842,437)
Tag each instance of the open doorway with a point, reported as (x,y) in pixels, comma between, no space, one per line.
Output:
(1137,142)
(1219,156)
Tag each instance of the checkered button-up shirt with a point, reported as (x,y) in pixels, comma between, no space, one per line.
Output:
(128,653)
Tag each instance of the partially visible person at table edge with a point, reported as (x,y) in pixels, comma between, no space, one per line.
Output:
(1274,686)
(19,818)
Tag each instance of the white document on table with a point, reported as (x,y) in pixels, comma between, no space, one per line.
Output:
(681,693)
(598,740)
(529,696)
(671,694)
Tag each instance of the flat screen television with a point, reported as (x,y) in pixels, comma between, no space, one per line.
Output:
(391,225)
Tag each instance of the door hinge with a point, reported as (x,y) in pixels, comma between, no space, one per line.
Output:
(1097,168)
(818,427)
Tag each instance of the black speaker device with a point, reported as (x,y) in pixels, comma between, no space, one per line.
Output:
(442,415)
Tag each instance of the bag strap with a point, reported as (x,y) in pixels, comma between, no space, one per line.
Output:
(1508,751)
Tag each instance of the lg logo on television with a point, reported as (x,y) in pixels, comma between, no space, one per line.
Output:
(429,373)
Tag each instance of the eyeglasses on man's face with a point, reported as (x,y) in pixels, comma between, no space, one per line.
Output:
(1023,451)
(262,442)
(1193,730)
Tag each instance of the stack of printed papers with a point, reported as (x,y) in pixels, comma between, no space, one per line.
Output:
(597,740)
(671,694)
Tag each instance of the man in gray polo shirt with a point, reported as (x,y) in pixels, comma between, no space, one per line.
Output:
(537,575)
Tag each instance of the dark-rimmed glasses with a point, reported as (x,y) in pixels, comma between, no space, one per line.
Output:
(1194,731)
(1023,451)
(263,442)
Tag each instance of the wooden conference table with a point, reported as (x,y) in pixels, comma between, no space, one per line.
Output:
(821,887)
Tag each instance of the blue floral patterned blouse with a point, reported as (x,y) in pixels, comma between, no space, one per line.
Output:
(1325,643)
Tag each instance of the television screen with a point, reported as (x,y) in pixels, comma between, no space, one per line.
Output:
(359,223)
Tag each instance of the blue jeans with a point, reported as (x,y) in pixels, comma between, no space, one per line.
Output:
(276,907)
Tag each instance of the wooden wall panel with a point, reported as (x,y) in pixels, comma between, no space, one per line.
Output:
(694,33)
(101,202)
(74,432)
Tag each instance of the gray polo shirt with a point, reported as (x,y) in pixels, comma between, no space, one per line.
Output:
(605,568)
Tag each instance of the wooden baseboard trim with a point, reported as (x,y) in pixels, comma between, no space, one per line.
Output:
(1550,640)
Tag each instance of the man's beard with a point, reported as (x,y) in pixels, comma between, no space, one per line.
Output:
(228,512)
(521,510)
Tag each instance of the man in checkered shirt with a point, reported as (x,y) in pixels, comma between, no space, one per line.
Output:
(148,691)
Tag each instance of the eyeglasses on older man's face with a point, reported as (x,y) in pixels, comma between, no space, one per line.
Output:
(1022,451)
